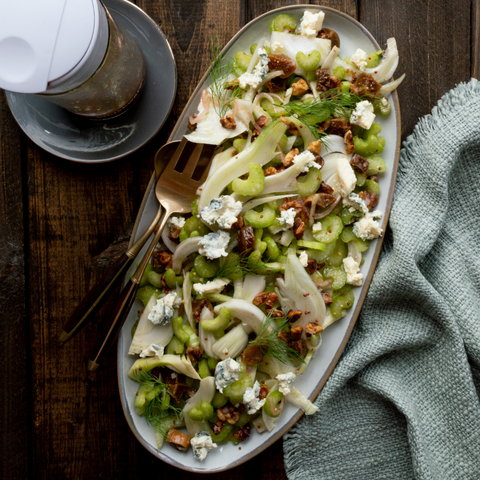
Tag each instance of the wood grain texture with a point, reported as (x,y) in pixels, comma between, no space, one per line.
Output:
(434,59)
(15,459)
(475,31)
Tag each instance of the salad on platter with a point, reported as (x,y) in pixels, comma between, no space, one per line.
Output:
(238,293)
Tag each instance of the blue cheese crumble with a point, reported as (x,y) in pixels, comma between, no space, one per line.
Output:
(214,244)
(176,222)
(287,218)
(303,259)
(355,202)
(352,269)
(259,73)
(367,228)
(202,443)
(251,401)
(215,286)
(223,211)
(363,115)
(359,59)
(311,23)
(285,382)
(307,157)
(164,310)
(152,351)
(226,372)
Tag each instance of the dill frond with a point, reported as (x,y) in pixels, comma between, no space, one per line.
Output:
(222,99)
(273,346)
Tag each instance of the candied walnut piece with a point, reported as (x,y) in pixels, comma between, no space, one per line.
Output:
(246,240)
(283,336)
(312,329)
(288,160)
(270,171)
(264,391)
(176,384)
(319,161)
(274,312)
(311,267)
(359,163)
(315,147)
(349,145)
(228,414)
(373,178)
(299,346)
(262,121)
(339,126)
(255,134)
(293,316)
(329,34)
(243,432)
(197,307)
(252,355)
(194,354)
(365,84)
(159,259)
(265,298)
(292,128)
(327,298)
(325,81)
(228,122)
(299,88)
(325,200)
(371,199)
(297,206)
(323,127)
(281,62)
(296,332)
(217,427)
(174,232)
(178,439)
(325,188)
(298,228)
(275,85)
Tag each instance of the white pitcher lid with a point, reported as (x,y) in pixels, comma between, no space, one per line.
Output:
(42,41)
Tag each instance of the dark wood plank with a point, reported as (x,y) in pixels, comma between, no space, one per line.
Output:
(434,59)
(475,31)
(14,391)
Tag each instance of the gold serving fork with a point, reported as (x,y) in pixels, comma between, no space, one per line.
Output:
(175,192)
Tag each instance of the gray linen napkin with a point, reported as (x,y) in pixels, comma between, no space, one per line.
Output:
(403,402)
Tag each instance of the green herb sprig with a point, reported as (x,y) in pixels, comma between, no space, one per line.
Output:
(273,346)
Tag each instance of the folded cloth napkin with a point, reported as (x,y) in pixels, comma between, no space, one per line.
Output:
(403,402)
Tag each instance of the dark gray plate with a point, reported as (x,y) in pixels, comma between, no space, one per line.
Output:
(74,138)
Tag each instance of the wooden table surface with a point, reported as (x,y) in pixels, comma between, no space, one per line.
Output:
(62,224)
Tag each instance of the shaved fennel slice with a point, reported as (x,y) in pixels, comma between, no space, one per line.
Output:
(300,400)
(188,246)
(390,87)
(252,286)
(238,288)
(331,57)
(232,343)
(349,69)
(261,151)
(205,393)
(169,244)
(305,132)
(293,44)
(244,111)
(259,425)
(245,312)
(268,421)
(207,339)
(388,65)
(354,252)
(220,158)
(177,363)
(254,58)
(148,333)
(274,367)
(187,298)
(285,302)
(329,170)
(332,144)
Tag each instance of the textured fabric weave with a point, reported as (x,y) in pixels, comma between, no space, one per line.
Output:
(403,402)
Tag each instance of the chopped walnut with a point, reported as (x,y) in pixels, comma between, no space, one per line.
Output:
(174,232)
(325,81)
(327,298)
(270,171)
(228,122)
(246,239)
(265,298)
(311,267)
(292,128)
(217,427)
(299,346)
(348,140)
(243,432)
(371,199)
(160,259)
(281,62)
(297,206)
(228,413)
(359,163)
(252,355)
(299,88)
(296,332)
(176,384)
(255,134)
(197,307)
(293,316)
(264,390)
(274,312)
(262,121)
(283,336)
(312,329)
(298,228)
(289,157)
(315,147)
(325,188)
(194,354)
(319,161)
(323,127)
